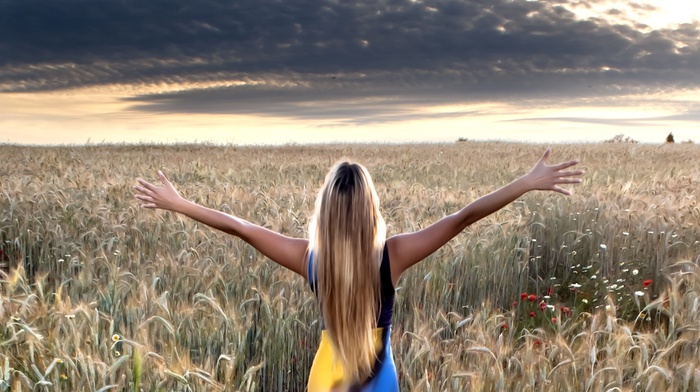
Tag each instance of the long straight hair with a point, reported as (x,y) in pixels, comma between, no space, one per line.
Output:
(347,235)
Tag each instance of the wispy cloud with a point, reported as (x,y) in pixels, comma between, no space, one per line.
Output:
(693,115)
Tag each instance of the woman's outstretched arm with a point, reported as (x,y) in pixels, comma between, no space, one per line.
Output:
(286,251)
(405,250)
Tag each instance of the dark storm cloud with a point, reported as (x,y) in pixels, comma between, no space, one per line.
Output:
(300,53)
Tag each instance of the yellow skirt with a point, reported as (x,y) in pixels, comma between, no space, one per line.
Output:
(327,375)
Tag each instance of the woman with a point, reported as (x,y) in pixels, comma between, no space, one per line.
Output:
(351,266)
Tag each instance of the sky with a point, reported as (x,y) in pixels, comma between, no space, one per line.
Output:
(323,71)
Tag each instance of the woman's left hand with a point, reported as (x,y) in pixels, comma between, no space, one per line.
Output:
(548,178)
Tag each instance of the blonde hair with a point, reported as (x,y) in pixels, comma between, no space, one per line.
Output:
(347,235)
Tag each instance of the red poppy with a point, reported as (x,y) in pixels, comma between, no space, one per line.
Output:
(537,343)
(532,297)
(504,326)
(647,282)
(566,310)
(554,320)
(543,306)
(515,304)
(523,296)
(550,291)
(532,314)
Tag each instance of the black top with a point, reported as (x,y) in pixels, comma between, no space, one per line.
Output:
(386,310)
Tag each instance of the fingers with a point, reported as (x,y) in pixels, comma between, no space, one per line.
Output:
(147,185)
(144,190)
(561,190)
(546,154)
(145,198)
(163,178)
(571,173)
(149,202)
(569,181)
(564,165)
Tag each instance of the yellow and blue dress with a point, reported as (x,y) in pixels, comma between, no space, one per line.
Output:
(326,374)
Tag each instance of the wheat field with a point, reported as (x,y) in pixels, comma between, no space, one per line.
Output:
(596,291)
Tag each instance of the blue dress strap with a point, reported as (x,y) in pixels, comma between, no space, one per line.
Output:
(311,272)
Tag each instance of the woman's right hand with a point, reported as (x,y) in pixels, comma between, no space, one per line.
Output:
(548,177)
(164,197)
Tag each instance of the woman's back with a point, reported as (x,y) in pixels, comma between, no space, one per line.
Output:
(327,373)
(386,309)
